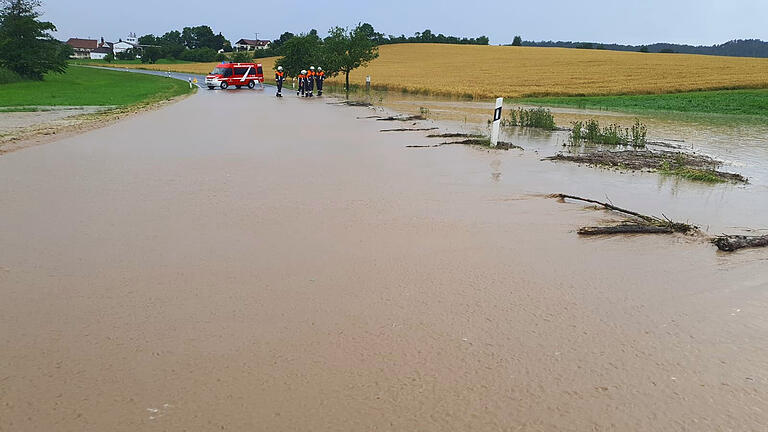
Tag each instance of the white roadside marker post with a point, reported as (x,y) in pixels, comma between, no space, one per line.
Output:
(496,122)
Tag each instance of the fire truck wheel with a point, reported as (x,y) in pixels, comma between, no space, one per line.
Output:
(223,85)
(251,84)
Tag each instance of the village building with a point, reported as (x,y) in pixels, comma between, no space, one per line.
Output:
(101,52)
(81,48)
(251,44)
(131,42)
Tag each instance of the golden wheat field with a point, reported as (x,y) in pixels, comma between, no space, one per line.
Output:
(490,71)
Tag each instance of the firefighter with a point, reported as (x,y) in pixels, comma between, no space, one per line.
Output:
(302,82)
(311,80)
(279,78)
(319,78)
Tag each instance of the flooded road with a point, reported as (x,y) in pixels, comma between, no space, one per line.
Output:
(237,262)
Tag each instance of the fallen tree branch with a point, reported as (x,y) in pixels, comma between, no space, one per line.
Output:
(473,142)
(625,229)
(402,118)
(606,205)
(649,220)
(730,243)
(455,135)
(408,129)
(352,103)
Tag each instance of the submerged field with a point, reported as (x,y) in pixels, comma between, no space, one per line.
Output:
(81,86)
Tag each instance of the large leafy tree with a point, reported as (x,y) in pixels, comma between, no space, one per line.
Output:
(26,45)
(202,37)
(345,50)
(300,52)
(277,43)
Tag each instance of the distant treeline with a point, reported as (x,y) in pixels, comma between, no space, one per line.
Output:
(734,48)
(428,37)
(198,43)
(380,39)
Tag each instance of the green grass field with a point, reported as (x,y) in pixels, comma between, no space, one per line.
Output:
(731,102)
(85,86)
(90,62)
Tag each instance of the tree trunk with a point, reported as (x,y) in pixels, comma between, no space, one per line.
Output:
(347,74)
(625,229)
(730,243)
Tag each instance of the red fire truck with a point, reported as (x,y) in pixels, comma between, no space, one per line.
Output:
(235,74)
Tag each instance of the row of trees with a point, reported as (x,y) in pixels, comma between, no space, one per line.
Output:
(27,47)
(428,37)
(342,51)
(198,43)
(379,39)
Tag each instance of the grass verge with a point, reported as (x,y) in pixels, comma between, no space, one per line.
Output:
(81,86)
(730,102)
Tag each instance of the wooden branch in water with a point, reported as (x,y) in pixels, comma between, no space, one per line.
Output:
(730,243)
(402,118)
(625,229)
(408,129)
(650,221)
(608,206)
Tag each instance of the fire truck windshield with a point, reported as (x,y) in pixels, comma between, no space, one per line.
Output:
(219,71)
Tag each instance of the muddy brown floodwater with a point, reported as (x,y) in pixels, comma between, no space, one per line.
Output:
(238,262)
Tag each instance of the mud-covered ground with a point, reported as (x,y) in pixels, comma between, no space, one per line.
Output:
(240,262)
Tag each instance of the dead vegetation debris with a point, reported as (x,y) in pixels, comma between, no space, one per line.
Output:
(408,129)
(638,223)
(402,118)
(477,142)
(731,243)
(455,135)
(689,165)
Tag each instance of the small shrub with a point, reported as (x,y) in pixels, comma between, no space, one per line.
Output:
(126,55)
(109,58)
(592,131)
(199,55)
(638,134)
(242,57)
(613,134)
(8,76)
(577,132)
(540,118)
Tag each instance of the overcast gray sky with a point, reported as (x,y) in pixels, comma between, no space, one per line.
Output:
(696,22)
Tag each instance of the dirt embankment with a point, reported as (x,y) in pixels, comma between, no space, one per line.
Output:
(26,129)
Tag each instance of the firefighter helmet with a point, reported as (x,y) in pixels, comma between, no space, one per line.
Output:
(311,68)
(303,71)
(279,68)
